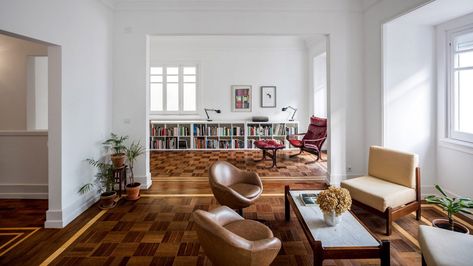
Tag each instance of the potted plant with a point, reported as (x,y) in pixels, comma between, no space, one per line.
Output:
(132,153)
(333,202)
(104,182)
(117,143)
(452,206)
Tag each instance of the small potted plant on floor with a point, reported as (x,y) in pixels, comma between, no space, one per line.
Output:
(117,144)
(104,182)
(333,202)
(132,153)
(452,206)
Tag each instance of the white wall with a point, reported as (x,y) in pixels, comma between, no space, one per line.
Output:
(319,64)
(454,159)
(80,90)
(341,20)
(223,61)
(410,94)
(24,165)
(37,93)
(13,80)
(373,19)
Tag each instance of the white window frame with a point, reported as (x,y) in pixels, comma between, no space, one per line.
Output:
(451,132)
(181,89)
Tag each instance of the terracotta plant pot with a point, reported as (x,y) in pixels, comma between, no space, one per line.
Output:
(107,200)
(444,224)
(133,191)
(118,159)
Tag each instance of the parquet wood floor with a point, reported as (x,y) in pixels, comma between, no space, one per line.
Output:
(158,230)
(197,163)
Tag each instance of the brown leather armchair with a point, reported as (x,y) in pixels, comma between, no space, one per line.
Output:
(233,187)
(228,239)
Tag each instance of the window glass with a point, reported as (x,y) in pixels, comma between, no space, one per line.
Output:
(172,99)
(189,97)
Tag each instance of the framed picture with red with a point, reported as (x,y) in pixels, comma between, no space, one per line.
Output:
(241,98)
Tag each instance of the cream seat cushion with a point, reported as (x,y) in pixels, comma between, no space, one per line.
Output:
(442,247)
(378,193)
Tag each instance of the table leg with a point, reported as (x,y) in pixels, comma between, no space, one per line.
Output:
(287,206)
(318,252)
(274,158)
(385,253)
(264,156)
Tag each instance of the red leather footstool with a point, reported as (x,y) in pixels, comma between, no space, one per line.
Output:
(269,148)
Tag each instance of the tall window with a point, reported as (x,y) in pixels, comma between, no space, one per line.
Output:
(461,85)
(173,89)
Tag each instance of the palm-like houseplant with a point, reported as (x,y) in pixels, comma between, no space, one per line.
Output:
(104,183)
(119,148)
(133,151)
(452,206)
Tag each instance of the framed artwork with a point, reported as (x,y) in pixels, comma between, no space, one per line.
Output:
(241,98)
(268,96)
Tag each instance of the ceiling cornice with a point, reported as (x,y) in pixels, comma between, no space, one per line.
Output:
(241,5)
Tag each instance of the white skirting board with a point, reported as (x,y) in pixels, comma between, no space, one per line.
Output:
(62,217)
(24,191)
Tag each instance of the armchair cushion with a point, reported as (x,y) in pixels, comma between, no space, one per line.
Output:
(378,193)
(444,247)
(296,143)
(249,229)
(246,190)
(393,166)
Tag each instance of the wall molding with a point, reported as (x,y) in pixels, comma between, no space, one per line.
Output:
(23,191)
(61,217)
(145,181)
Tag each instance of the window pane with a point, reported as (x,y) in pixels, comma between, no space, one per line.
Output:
(156,97)
(190,70)
(465,100)
(189,79)
(172,70)
(172,99)
(464,59)
(156,71)
(172,79)
(154,79)
(464,42)
(189,97)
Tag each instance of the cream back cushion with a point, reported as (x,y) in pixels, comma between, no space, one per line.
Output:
(393,166)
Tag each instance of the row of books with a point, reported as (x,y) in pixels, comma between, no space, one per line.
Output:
(202,130)
(160,144)
(200,143)
(172,131)
(259,130)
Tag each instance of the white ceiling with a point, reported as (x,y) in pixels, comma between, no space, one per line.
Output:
(437,12)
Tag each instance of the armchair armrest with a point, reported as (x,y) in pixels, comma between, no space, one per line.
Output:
(225,215)
(288,137)
(314,140)
(265,244)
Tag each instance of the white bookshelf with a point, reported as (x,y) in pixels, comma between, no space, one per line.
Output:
(216,135)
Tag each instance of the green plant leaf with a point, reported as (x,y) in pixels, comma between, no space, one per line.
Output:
(440,189)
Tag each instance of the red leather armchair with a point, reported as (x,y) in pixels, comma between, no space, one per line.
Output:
(313,139)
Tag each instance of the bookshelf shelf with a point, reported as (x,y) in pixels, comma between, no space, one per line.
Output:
(220,135)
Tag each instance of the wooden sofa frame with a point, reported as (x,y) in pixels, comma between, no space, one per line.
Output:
(393,214)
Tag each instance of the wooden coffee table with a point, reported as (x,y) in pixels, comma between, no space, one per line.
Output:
(348,240)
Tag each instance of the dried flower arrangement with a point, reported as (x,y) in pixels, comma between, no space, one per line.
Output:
(334,199)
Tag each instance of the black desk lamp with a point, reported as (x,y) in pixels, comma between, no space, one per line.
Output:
(284,109)
(213,110)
